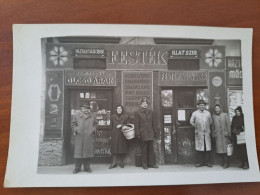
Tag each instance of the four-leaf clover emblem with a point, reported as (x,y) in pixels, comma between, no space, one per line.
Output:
(58,55)
(213,57)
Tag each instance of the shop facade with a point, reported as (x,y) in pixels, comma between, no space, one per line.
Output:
(173,77)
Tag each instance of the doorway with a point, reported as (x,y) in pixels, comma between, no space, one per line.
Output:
(101,102)
(178,135)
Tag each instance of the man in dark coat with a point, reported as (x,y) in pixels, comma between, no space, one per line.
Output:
(146,132)
(83,125)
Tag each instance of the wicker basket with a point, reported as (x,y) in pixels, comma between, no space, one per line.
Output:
(128,131)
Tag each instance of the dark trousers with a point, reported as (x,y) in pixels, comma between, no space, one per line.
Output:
(118,157)
(84,161)
(147,153)
(204,156)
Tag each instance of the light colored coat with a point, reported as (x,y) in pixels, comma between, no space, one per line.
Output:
(201,121)
(221,131)
(84,128)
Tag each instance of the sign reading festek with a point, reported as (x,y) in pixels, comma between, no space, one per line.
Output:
(183,78)
(90,78)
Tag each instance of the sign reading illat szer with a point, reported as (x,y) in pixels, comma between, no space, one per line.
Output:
(90,78)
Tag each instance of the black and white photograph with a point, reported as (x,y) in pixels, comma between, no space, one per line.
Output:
(137,102)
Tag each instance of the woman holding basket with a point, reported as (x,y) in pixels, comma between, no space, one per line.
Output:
(118,140)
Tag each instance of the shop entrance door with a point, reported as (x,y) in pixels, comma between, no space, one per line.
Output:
(101,101)
(179,136)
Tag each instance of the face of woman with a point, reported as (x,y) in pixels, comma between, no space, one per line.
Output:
(217,109)
(238,113)
(144,105)
(119,110)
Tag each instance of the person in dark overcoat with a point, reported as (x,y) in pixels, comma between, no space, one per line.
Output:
(221,132)
(83,126)
(237,126)
(146,132)
(118,140)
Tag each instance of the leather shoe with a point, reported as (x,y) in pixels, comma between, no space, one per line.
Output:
(209,164)
(145,168)
(76,171)
(112,166)
(199,165)
(155,166)
(122,165)
(88,170)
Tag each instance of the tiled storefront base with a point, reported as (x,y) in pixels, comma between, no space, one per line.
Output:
(51,153)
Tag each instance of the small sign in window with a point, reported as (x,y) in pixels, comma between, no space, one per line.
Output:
(167,119)
(181,115)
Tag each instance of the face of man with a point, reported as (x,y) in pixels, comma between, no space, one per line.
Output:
(144,105)
(119,110)
(85,110)
(201,107)
(217,109)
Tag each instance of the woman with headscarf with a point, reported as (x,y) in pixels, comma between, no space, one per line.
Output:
(118,140)
(237,126)
(221,132)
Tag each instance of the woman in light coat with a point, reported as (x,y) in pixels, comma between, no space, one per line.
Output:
(221,132)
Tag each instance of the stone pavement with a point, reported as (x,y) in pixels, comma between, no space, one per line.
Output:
(103,169)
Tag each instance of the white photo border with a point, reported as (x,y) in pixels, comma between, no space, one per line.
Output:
(26,106)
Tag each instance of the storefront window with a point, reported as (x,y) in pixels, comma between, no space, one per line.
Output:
(235,98)
(167,140)
(203,94)
(185,99)
(166,96)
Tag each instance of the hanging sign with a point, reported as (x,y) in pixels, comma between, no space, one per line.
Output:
(234,71)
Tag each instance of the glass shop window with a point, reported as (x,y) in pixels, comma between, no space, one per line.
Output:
(89,63)
(167,140)
(183,64)
(167,98)
(100,103)
(185,99)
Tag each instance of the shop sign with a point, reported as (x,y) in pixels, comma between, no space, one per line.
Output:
(90,78)
(234,71)
(217,89)
(136,84)
(141,57)
(54,104)
(89,51)
(187,53)
(183,78)
(212,57)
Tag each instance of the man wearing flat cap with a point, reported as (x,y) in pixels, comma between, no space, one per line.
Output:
(201,121)
(145,131)
(83,126)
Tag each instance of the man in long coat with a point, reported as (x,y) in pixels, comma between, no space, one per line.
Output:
(145,131)
(83,125)
(221,131)
(201,121)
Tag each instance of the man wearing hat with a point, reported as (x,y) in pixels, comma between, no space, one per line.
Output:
(83,126)
(145,131)
(201,121)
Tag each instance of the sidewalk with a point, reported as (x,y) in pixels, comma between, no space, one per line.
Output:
(103,169)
